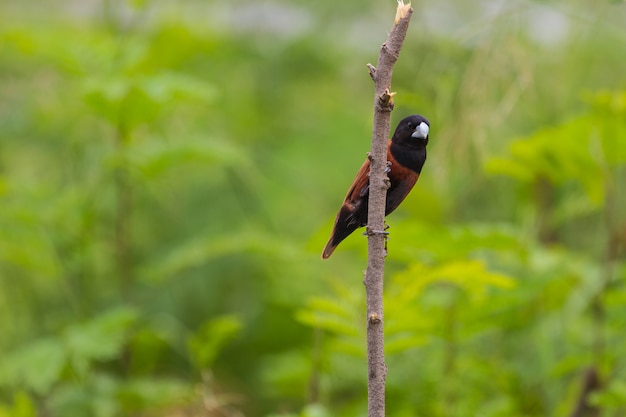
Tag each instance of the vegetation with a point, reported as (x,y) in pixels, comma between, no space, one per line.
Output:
(169,173)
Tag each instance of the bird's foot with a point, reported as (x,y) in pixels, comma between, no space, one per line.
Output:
(369,231)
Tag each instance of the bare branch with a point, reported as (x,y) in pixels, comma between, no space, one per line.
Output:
(379,183)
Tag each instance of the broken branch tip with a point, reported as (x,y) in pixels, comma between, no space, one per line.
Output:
(402,10)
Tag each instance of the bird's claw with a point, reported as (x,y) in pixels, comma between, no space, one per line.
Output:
(369,231)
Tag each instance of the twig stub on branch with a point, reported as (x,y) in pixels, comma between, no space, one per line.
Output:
(372,71)
(385,101)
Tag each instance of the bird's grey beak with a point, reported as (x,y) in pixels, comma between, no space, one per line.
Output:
(421,131)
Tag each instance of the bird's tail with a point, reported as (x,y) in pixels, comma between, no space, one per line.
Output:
(330,248)
(342,230)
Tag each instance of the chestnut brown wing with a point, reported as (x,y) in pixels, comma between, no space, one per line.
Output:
(360,186)
(353,211)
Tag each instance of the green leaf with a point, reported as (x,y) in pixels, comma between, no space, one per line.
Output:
(511,168)
(206,344)
(100,338)
(94,395)
(23,406)
(581,149)
(333,324)
(611,397)
(199,251)
(609,102)
(138,394)
(155,158)
(137,4)
(133,100)
(4,186)
(471,275)
(451,242)
(337,314)
(36,366)
(349,346)
(287,374)
(315,410)
(402,342)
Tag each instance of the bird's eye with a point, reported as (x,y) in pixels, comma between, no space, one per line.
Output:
(411,125)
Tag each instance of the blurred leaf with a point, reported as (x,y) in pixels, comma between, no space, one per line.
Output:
(611,397)
(286,375)
(514,169)
(22,407)
(205,344)
(70,48)
(610,102)
(501,406)
(133,100)
(338,314)
(472,276)
(95,396)
(4,186)
(315,410)
(153,158)
(402,342)
(103,395)
(148,345)
(101,338)
(200,251)
(352,346)
(609,109)
(138,4)
(36,366)
(427,241)
(560,153)
(151,394)
(581,149)
(328,314)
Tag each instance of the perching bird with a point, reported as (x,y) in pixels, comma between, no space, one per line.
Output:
(406,153)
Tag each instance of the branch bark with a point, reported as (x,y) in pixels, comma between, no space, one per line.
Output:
(379,183)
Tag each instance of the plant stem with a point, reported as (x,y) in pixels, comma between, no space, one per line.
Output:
(379,183)
(123,213)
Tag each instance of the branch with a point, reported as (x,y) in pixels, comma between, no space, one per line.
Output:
(591,383)
(379,183)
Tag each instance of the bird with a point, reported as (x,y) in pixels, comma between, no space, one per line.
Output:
(406,155)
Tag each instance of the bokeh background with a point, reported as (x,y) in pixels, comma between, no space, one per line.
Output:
(170,171)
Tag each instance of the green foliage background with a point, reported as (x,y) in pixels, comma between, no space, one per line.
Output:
(170,171)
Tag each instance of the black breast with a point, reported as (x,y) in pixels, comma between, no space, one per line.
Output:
(409,155)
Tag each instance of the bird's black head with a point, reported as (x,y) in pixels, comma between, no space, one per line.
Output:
(412,131)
